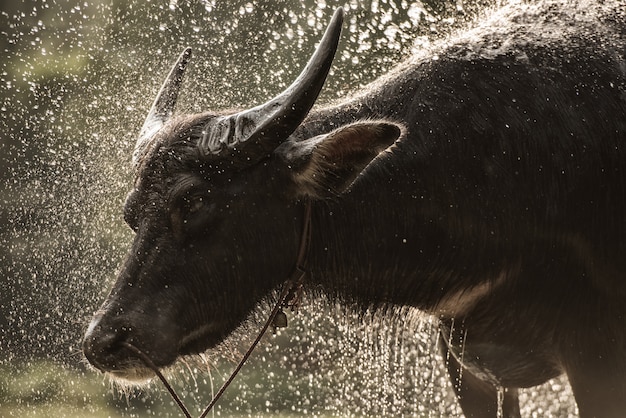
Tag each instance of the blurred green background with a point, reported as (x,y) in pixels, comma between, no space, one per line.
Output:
(76,80)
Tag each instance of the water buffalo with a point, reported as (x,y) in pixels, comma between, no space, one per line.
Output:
(483,182)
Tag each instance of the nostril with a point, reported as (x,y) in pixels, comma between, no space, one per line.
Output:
(102,344)
(114,337)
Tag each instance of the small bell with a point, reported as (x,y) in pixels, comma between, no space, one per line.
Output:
(280,320)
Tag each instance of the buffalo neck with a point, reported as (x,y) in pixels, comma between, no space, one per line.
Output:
(386,240)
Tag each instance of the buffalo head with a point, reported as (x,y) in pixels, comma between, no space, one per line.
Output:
(217,215)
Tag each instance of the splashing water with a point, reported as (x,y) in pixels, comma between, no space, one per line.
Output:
(76,80)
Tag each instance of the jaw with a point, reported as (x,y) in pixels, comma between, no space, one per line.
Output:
(136,375)
(200,340)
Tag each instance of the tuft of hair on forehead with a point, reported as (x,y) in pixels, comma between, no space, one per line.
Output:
(175,142)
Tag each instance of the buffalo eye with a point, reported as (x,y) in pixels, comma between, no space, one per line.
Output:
(195,205)
(194,214)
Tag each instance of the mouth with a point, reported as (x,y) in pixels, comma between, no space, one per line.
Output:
(140,372)
(130,359)
(135,375)
(132,371)
(123,360)
(200,340)
(139,367)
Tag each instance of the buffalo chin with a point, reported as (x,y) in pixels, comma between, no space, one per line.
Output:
(132,376)
(200,340)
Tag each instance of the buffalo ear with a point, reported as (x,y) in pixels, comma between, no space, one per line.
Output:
(326,165)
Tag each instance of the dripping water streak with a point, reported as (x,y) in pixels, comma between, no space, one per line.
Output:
(462,357)
(500,410)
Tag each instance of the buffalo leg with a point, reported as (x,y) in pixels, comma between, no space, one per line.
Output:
(478,399)
(599,386)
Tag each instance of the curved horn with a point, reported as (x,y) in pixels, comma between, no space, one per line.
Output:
(163,105)
(262,128)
